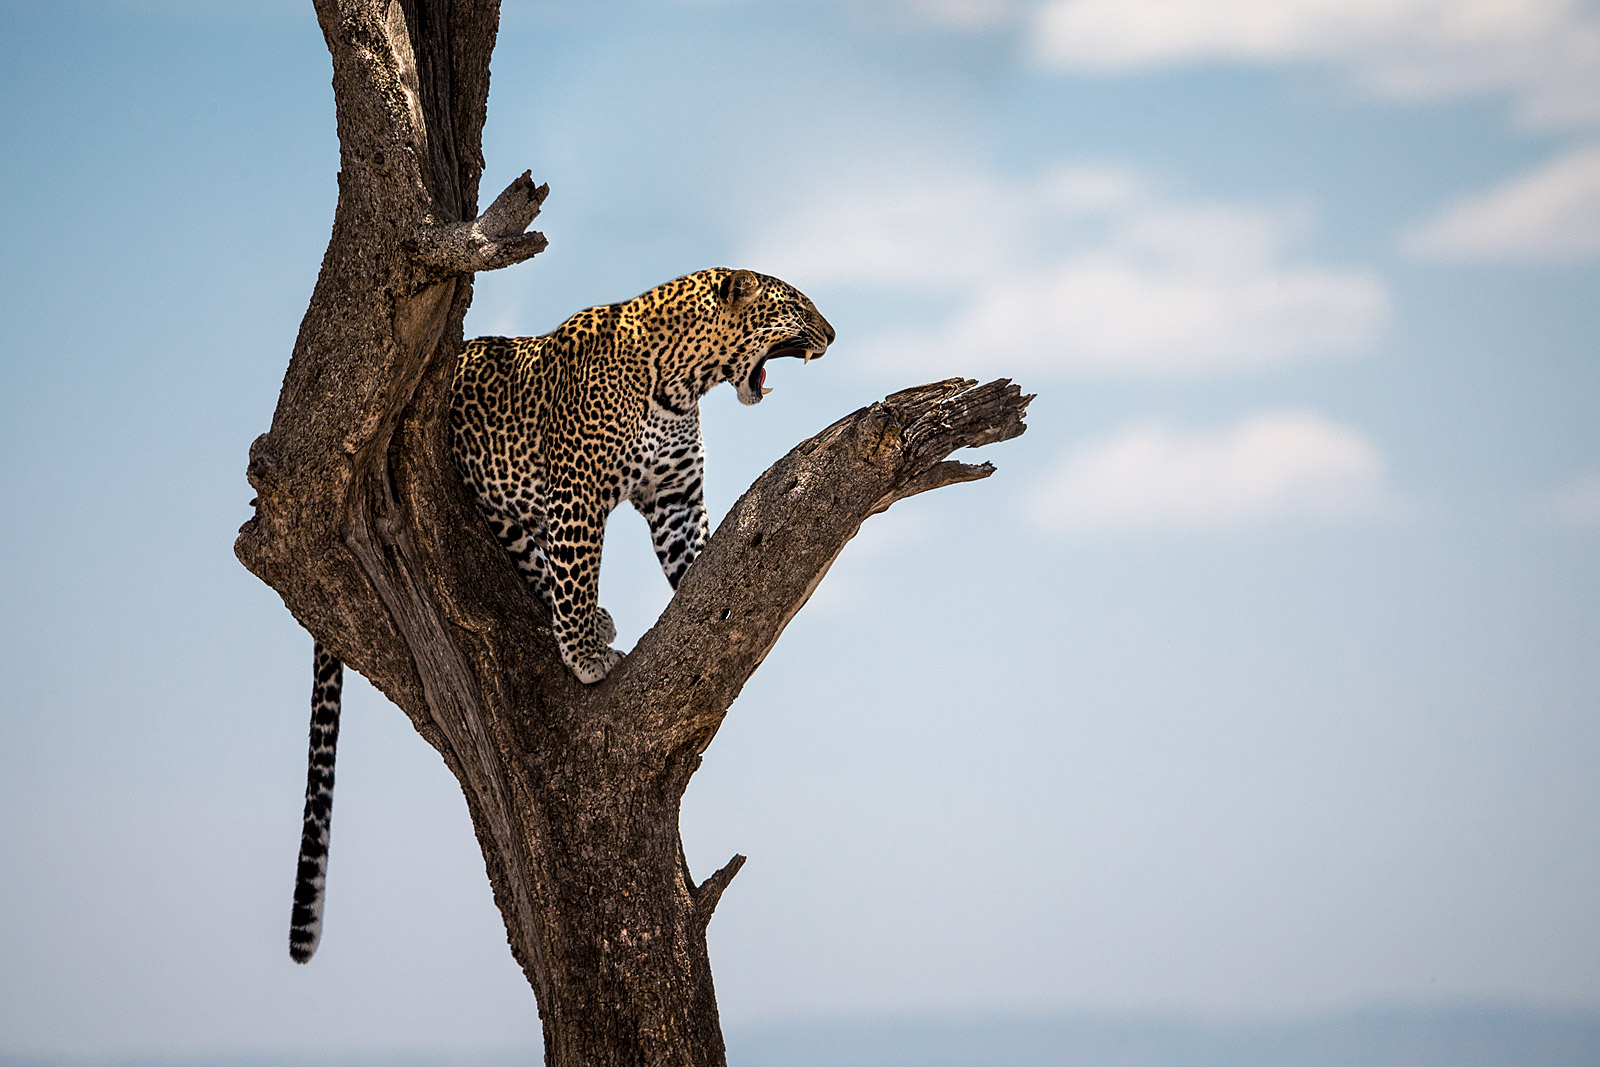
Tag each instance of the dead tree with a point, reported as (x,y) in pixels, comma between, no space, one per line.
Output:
(362,527)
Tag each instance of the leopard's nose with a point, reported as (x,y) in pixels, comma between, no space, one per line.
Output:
(827,330)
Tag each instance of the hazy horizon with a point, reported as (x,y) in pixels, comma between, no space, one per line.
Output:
(1480,1035)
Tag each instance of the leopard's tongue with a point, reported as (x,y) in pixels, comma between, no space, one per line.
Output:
(761,376)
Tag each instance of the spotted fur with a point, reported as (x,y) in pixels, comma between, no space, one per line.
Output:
(550,434)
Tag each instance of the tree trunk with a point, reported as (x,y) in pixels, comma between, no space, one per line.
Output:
(364,529)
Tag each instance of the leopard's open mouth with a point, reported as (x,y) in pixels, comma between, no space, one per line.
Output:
(797,348)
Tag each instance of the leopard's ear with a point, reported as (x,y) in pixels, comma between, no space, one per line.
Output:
(738,288)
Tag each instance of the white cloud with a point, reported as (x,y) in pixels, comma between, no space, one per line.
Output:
(1545,53)
(1271,468)
(1087,270)
(1551,213)
(1579,503)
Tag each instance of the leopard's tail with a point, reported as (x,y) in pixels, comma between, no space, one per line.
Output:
(305,925)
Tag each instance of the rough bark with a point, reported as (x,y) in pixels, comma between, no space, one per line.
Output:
(363,528)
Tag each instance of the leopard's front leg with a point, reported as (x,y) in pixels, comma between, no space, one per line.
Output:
(674,506)
(583,629)
(523,532)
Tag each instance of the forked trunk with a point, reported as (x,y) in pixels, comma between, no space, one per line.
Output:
(364,529)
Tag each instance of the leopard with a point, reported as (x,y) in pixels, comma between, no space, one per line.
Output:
(550,434)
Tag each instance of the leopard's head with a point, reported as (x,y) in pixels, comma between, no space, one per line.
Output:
(765,318)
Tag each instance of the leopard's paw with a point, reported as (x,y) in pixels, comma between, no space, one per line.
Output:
(604,628)
(592,669)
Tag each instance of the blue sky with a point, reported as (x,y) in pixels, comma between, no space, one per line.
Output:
(1260,681)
